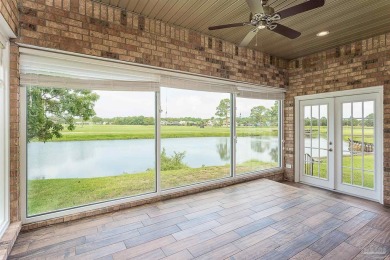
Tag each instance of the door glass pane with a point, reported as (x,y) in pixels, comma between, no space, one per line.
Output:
(257,128)
(347,175)
(368,179)
(88,146)
(357,179)
(358,136)
(195,137)
(323,136)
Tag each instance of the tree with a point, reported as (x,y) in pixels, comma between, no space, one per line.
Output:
(258,115)
(223,109)
(49,109)
(272,114)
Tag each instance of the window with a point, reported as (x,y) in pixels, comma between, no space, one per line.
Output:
(258,135)
(98,131)
(87,146)
(195,131)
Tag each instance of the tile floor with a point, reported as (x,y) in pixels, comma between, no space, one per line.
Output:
(260,219)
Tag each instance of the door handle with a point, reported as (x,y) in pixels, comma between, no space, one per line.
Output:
(330,150)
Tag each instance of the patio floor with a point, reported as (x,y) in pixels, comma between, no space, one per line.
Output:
(260,219)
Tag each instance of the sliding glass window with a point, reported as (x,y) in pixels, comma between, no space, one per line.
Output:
(258,137)
(87,146)
(195,132)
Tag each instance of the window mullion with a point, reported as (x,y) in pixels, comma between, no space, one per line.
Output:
(158,141)
(233,135)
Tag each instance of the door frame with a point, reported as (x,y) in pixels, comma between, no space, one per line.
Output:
(379,140)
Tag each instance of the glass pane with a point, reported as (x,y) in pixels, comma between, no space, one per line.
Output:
(369,109)
(347,144)
(258,135)
(314,117)
(88,146)
(347,161)
(315,142)
(357,161)
(357,108)
(368,179)
(347,175)
(315,166)
(323,137)
(195,132)
(369,162)
(357,177)
(324,169)
(347,110)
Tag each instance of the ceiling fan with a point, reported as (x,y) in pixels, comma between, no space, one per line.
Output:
(264,17)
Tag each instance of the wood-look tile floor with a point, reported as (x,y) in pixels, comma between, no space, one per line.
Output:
(261,219)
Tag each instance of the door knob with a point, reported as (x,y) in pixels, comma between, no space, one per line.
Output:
(330,150)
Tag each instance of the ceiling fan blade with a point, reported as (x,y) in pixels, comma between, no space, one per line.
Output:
(306,6)
(226,26)
(255,6)
(248,38)
(284,30)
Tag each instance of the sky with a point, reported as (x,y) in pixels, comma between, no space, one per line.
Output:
(174,103)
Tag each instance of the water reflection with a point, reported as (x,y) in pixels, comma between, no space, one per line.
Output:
(274,153)
(223,150)
(260,145)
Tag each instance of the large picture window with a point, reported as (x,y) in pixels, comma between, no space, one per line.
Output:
(258,138)
(96,131)
(88,146)
(195,131)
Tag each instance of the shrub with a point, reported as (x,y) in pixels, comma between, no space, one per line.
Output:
(174,162)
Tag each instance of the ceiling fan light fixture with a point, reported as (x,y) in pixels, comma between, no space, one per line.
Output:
(262,25)
(323,33)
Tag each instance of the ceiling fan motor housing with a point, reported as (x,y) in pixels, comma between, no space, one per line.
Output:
(266,18)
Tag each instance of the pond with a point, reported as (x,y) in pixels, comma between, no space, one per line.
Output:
(86,159)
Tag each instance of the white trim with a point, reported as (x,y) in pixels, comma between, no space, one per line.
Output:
(69,56)
(350,92)
(5,137)
(379,137)
(5,31)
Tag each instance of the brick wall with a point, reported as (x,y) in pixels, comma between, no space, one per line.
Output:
(360,64)
(9,10)
(94,29)
(14,134)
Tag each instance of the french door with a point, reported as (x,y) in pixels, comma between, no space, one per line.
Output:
(340,144)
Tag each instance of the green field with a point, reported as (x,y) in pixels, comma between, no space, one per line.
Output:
(53,194)
(124,132)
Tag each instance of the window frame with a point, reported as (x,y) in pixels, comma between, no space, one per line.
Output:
(4,135)
(158,191)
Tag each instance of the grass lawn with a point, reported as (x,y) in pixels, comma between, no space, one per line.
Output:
(353,176)
(124,132)
(53,194)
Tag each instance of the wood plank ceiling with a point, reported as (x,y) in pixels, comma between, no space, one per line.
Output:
(347,21)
